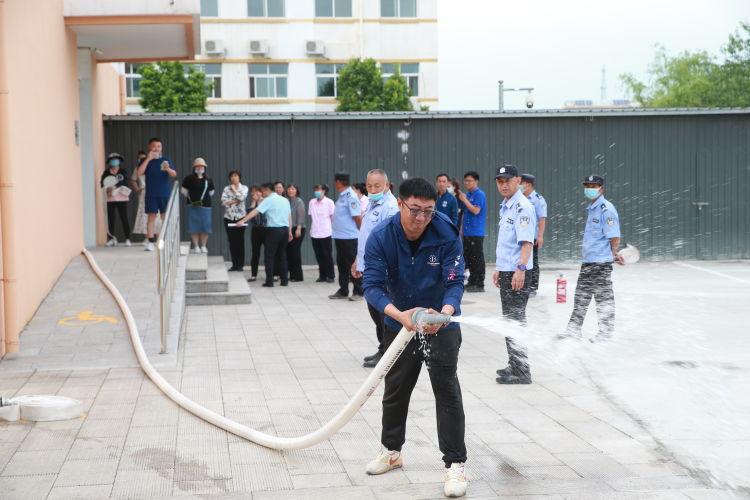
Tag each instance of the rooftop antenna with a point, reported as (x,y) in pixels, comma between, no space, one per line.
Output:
(604,85)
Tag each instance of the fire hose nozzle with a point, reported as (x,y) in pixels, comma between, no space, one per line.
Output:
(421,316)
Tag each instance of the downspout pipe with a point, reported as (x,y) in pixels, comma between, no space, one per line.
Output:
(8,335)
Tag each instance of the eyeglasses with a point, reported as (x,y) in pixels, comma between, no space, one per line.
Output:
(416,212)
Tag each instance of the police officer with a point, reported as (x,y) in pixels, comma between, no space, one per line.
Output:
(601,240)
(415,259)
(515,239)
(382,205)
(528,183)
(347,216)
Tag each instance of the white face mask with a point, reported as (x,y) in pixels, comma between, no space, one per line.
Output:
(200,171)
(450,189)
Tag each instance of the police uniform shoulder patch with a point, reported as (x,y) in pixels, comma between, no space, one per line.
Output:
(354,203)
(610,221)
(523,221)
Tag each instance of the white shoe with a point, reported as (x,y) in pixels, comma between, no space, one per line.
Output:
(385,461)
(455,481)
(150,247)
(112,242)
(204,249)
(195,250)
(127,243)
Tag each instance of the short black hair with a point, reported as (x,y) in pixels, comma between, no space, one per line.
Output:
(153,139)
(361,187)
(322,187)
(267,185)
(140,153)
(473,174)
(233,172)
(438,176)
(418,188)
(342,177)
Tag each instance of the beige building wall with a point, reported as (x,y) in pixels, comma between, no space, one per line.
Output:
(40,162)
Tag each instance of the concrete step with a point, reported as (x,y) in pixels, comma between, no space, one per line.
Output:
(197,266)
(216,280)
(237,290)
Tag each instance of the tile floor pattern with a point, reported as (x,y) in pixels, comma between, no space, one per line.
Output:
(284,365)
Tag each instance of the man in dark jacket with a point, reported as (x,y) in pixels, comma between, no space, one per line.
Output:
(415,259)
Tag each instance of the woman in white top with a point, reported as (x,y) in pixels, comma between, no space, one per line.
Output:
(233,199)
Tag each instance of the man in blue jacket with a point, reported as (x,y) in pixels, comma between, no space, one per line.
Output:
(415,259)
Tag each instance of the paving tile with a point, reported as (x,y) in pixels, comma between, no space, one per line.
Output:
(87,472)
(26,487)
(35,463)
(94,492)
(260,477)
(143,484)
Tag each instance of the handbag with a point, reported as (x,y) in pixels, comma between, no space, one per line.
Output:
(199,203)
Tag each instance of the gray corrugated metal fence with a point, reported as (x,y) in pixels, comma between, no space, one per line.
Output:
(660,166)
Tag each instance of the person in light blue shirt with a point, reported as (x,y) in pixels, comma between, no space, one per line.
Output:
(277,233)
(446,202)
(381,207)
(601,241)
(528,183)
(475,215)
(515,239)
(347,216)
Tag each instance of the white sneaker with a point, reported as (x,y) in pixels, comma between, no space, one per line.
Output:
(204,249)
(385,461)
(150,247)
(127,243)
(195,250)
(112,242)
(455,481)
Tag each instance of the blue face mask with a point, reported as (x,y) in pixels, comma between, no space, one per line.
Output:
(114,162)
(318,194)
(377,196)
(591,193)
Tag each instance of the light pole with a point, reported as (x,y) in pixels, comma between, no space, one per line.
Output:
(501,90)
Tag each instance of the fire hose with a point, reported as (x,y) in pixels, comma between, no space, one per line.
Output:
(420,317)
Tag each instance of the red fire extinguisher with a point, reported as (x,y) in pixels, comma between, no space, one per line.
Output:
(562,285)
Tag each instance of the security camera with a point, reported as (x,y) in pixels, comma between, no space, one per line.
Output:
(529,101)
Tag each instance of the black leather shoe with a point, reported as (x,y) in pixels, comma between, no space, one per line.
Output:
(338,295)
(505,371)
(284,283)
(268,285)
(372,356)
(329,280)
(514,379)
(474,289)
(373,362)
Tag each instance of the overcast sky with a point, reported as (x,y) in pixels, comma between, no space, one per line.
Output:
(559,46)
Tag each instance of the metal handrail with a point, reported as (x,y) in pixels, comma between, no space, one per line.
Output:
(167,255)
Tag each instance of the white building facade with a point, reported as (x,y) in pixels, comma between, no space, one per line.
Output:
(284,55)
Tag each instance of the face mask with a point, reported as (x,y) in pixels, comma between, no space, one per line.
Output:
(114,162)
(591,193)
(450,189)
(318,194)
(377,196)
(520,188)
(200,171)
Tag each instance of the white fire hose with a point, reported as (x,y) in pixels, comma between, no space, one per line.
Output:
(278,443)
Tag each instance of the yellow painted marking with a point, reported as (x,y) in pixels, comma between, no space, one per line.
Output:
(85,317)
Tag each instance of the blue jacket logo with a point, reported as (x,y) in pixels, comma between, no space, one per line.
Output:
(433,260)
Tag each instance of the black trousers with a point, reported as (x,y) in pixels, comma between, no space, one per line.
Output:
(474,257)
(346,253)
(122,210)
(514,308)
(294,255)
(534,273)
(594,280)
(257,237)
(274,256)
(399,384)
(377,318)
(323,249)
(236,237)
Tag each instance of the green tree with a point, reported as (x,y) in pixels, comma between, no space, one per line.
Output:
(396,94)
(360,87)
(167,87)
(697,79)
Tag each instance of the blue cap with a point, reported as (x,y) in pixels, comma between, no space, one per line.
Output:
(506,171)
(594,179)
(528,178)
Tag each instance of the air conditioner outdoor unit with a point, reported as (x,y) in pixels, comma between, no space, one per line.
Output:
(258,47)
(315,48)
(214,48)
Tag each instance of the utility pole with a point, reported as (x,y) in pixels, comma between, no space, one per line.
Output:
(500,93)
(603,98)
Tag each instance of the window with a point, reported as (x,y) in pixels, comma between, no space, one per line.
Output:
(265,8)
(213,74)
(398,8)
(132,80)
(409,71)
(268,80)
(210,8)
(333,8)
(326,79)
